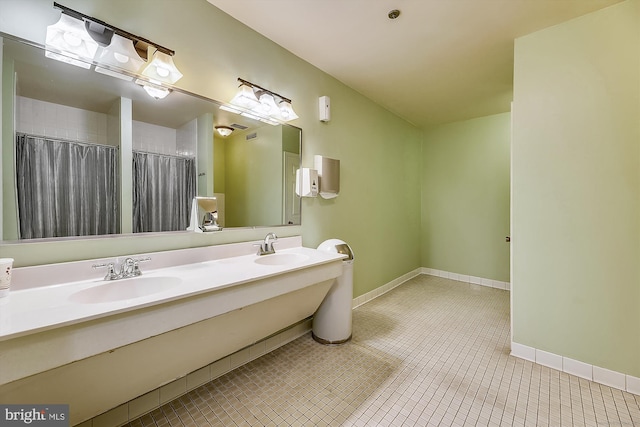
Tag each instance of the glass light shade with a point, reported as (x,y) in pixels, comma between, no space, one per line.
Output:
(268,104)
(67,40)
(156,92)
(162,69)
(245,98)
(286,110)
(224,130)
(120,54)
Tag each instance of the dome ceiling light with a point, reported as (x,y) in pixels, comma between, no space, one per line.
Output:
(224,130)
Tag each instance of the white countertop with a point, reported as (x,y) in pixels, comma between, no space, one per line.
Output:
(38,309)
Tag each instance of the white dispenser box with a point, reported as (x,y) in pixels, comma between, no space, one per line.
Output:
(329,176)
(324,108)
(307,182)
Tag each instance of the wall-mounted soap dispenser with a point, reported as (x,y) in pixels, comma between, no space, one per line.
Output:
(329,176)
(307,182)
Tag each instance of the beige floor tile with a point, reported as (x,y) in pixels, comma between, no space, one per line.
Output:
(432,352)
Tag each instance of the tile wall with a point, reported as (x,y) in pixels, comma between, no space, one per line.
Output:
(154,138)
(43,118)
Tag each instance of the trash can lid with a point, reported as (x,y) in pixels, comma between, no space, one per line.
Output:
(337,246)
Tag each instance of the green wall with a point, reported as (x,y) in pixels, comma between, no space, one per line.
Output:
(576,189)
(378,210)
(207,175)
(253,177)
(465,197)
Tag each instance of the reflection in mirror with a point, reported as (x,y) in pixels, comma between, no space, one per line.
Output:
(65,188)
(163,185)
(204,214)
(96,155)
(259,184)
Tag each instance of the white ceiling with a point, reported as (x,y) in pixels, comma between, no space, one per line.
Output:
(440,61)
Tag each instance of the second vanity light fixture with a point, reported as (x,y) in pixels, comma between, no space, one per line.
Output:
(81,40)
(258,103)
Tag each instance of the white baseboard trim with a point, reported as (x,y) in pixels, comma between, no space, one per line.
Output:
(580,369)
(362,299)
(467,279)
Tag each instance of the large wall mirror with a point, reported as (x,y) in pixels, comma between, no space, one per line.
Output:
(96,155)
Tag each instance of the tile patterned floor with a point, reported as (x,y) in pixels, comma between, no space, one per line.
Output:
(432,352)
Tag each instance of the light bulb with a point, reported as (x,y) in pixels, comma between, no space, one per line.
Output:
(72,39)
(156,92)
(123,59)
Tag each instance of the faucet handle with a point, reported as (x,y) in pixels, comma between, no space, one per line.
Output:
(136,266)
(260,247)
(111,270)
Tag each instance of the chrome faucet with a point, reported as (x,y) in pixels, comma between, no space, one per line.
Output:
(129,268)
(266,247)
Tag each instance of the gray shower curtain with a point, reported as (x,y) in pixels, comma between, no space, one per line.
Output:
(65,188)
(163,188)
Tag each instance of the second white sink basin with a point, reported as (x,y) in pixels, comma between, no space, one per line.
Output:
(281,259)
(123,289)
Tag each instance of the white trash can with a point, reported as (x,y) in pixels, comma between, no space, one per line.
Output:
(332,321)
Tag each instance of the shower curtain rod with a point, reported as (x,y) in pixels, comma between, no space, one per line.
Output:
(67,141)
(164,155)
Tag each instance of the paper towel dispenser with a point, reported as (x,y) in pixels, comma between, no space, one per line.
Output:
(328,176)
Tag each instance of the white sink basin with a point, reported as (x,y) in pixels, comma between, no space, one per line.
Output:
(281,259)
(122,289)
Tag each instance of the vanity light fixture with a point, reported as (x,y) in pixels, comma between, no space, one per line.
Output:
(286,111)
(224,130)
(162,69)
(267,103)
(69,41)
(245,97)
(258,103)
(119,54)
(84,41)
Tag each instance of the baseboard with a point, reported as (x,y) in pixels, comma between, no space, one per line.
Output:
(466,278)
(580,369)
(362,299)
